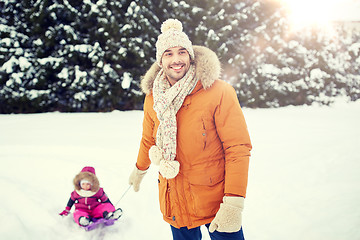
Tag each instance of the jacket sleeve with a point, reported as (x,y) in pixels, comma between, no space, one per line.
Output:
(233,133)
(147,140)
(70,203)
(103,197)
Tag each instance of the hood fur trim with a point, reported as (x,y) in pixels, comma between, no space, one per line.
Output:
(207,69)
(88,176)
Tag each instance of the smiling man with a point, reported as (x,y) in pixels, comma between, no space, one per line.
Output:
(194,129)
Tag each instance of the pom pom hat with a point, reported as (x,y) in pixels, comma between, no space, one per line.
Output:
(172,36)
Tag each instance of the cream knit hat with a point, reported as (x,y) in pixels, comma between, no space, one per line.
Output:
(172,36)
(85,181)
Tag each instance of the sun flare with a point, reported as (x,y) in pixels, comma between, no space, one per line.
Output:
(311,12)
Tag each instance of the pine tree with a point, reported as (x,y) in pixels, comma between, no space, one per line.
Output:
(350,50)
(76,56)
(256,43)
(17,59)
(87,55)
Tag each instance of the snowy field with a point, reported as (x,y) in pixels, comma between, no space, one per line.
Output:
(304,180)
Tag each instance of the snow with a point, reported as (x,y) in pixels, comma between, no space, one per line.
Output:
(64,74)
(303,178)
(8,66)
(6,42)
(79,76)
(51,60)
(317,73)
(127,79)
(38,42)
(355,48)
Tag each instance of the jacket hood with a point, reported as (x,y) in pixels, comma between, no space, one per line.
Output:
(87,173)
(207,69)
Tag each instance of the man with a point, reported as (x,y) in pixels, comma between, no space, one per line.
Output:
(194,129)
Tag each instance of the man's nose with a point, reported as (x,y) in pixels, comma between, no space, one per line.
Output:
(176,59)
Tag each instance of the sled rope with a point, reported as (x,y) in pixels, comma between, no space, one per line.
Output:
(123,195)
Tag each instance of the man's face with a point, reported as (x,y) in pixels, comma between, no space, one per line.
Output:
(175,62)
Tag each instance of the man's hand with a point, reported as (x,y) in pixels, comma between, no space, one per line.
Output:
(229,217)
(136,178)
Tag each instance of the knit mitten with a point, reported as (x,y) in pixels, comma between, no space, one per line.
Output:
(228,218)
(169,169)
(65,212)
(136,178)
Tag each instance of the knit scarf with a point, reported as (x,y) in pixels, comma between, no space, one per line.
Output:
(167,102)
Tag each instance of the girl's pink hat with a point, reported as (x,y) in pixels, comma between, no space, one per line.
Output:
(88,169)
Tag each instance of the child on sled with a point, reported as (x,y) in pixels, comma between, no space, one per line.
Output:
(90,199)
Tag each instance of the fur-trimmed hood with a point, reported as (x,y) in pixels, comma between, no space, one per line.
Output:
(207,69)
(87,173)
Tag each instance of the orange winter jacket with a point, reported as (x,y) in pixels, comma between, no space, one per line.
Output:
(213,146)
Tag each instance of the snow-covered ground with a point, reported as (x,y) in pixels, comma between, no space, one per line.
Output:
(304,180)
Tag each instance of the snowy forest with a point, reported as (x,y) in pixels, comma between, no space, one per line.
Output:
(89,55)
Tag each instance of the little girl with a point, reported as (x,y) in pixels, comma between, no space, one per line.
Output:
(90,199)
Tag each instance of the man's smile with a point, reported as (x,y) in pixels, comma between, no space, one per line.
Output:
(177,67)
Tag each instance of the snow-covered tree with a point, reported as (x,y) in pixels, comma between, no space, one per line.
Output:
(73,56)
(17,59)
(349,77)
(89,55)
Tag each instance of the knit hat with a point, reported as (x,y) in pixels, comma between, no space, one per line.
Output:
(172,36)
(85,181)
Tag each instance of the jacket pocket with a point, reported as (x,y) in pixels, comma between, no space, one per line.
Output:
(209,132)
(164,192)
(207,191)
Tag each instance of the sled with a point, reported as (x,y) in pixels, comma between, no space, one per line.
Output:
(99,222)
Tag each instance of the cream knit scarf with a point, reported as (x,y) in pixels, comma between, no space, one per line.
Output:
(167,102)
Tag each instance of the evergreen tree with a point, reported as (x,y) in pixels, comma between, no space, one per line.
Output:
(256,47)
(89,55)
(350,50)
(78,56)
(16,59)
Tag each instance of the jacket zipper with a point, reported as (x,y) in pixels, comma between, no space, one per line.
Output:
(204,133)
(87,203)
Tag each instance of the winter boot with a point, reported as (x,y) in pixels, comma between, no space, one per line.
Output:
(107,215)
(117,214)
(113,215)
(84,221)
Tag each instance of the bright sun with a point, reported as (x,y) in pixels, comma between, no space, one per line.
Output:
(311,12)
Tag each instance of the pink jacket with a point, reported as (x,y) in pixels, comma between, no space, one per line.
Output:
(87,202)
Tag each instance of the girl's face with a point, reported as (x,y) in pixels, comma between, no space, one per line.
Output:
(86,186)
